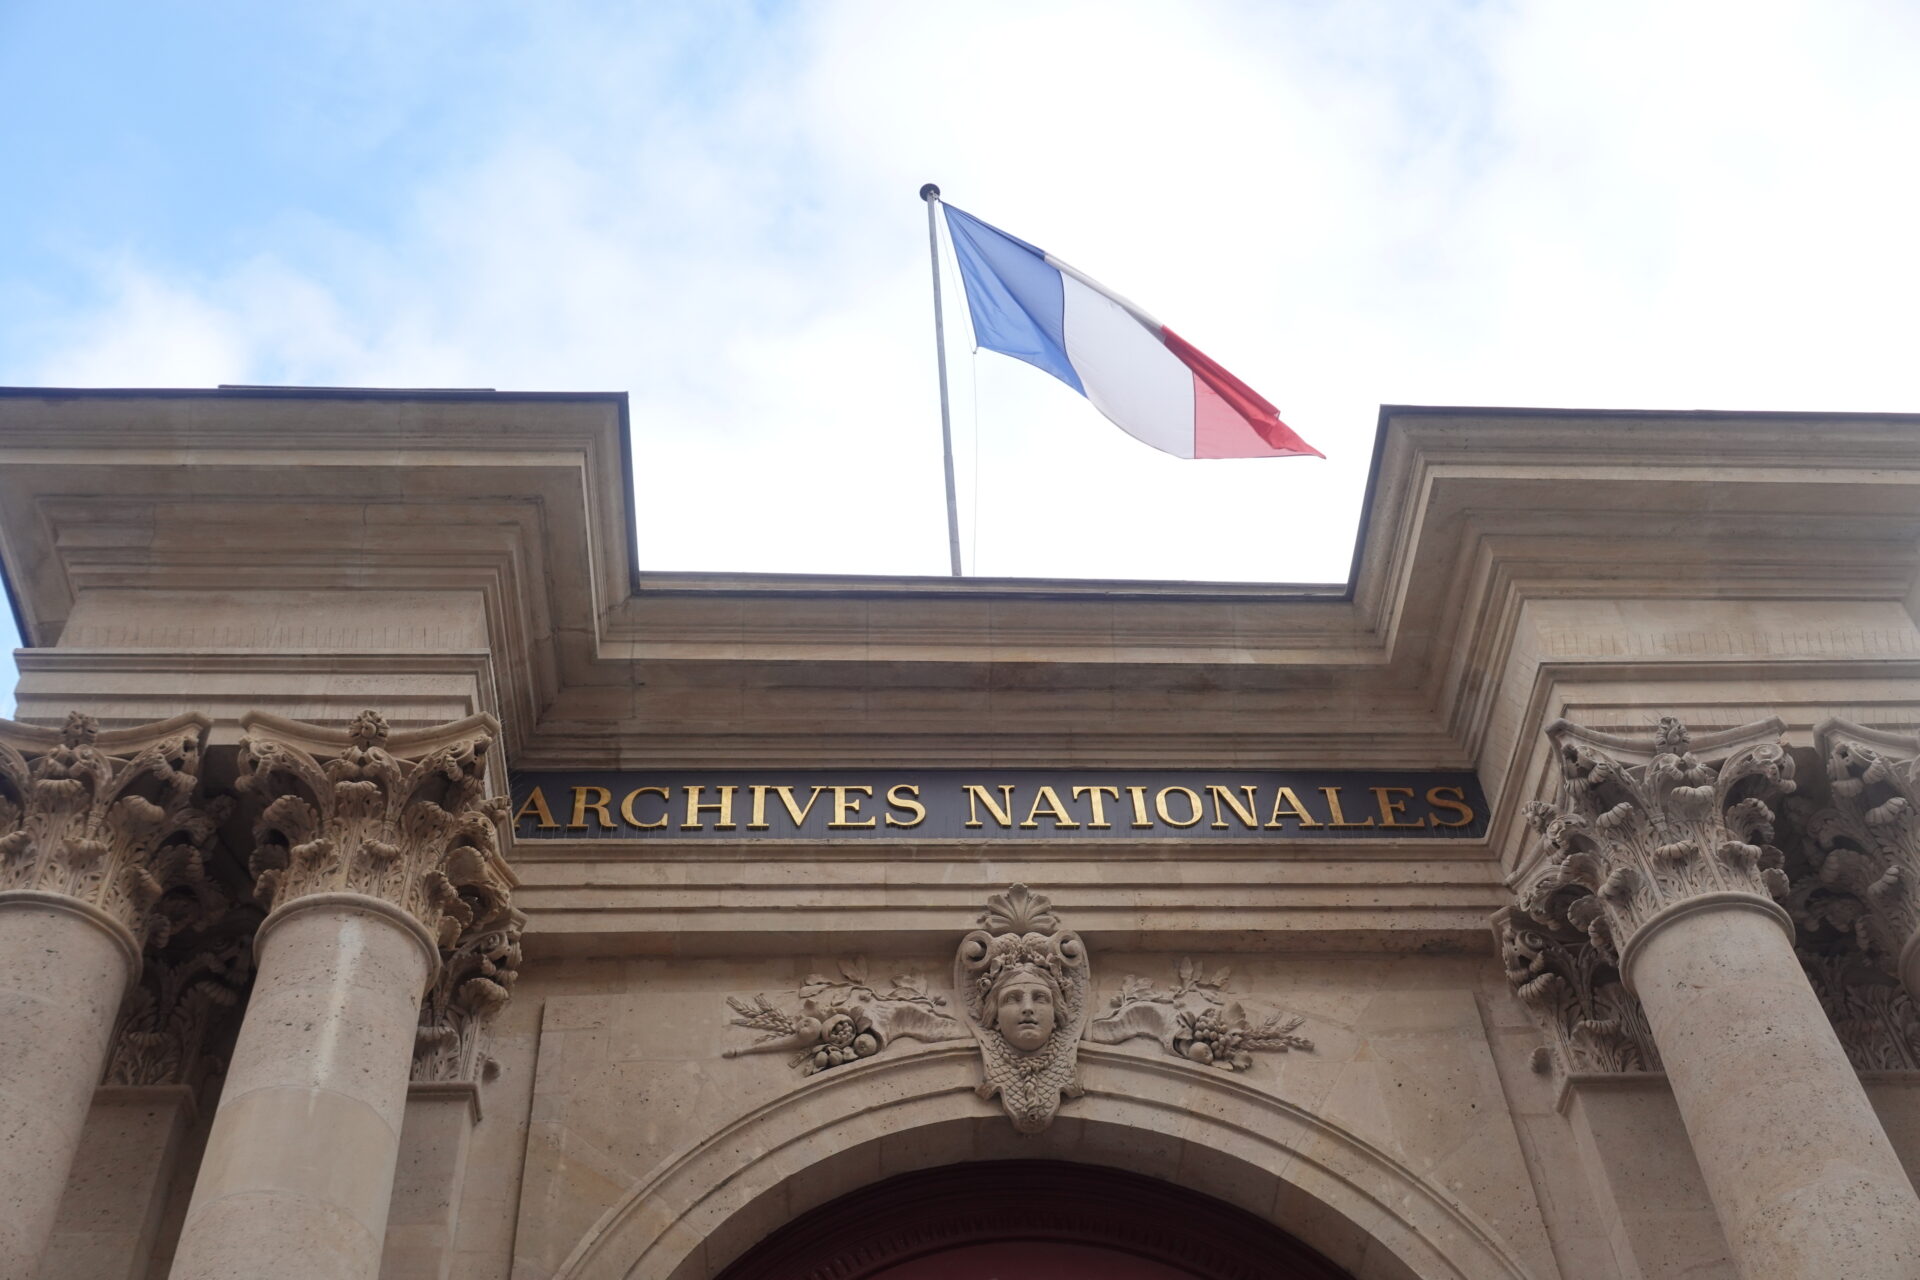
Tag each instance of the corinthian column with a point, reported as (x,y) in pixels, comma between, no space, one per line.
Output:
(97,831)
(370,851)
(1662,853)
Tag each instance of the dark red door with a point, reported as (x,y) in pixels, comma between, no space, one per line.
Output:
(1029,1220)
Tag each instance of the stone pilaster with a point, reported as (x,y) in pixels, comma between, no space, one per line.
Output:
(103,846)
(373,851)
(1662,855)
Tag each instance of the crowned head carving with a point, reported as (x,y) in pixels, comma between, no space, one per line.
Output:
(1023,980)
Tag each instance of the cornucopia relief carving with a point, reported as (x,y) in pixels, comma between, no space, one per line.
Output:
(1195,1020)
(837,1022)
(1024,986)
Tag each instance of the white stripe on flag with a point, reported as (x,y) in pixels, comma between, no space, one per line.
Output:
(1128,372)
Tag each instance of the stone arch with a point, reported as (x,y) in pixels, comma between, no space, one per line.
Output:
(1206,1130)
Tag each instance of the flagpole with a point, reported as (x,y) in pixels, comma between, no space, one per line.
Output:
(931,194)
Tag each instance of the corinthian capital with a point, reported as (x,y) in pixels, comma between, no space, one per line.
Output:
(115,820)
(1859,878)
(1642,828)
(402,817)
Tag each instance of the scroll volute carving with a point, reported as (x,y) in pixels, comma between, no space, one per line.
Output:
(1640,827)
(403,817)
(116,819)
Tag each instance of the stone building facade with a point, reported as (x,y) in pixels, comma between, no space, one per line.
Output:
(397,880)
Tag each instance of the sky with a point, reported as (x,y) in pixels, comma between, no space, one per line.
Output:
(713,207)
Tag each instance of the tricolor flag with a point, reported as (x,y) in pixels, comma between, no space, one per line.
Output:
(1155,385)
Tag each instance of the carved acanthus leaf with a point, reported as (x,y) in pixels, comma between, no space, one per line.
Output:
(1857,862)
(117,820)
(404,819)
(1572,987)
(183,991)
(1638,828)
(474,983)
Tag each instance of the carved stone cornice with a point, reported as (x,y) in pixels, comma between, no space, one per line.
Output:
(403,818)
(1859,857)
(115,821)
(1645,833)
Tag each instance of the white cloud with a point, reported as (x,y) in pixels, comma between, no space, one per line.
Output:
(1650,205)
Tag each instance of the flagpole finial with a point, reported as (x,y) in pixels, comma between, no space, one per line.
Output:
(930,192)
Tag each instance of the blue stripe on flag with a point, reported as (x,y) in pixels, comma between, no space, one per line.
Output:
(1014,296)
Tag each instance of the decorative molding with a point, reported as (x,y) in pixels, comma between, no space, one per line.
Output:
(1024,982)
(1195,1020)
(1639,832)
(403,818)
(116,820)
(841,1021)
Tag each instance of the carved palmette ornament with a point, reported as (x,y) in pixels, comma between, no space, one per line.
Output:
(1020,959)
(1637,830)
(116,820)
(405,818)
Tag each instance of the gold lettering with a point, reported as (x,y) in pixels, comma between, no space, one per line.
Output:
(844,808)
(794,811)
(1390,808)
(1193,807)
(977,796)
(581,804)
(537,804)
(632,815)
(1139,797)
(1294,809)
(1099,822)
(1245,814)
(1436,798)
(902,796)
(1333,807)
(759,820)
(1048,797)
(723,806)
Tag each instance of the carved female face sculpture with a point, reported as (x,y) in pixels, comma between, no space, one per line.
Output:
(1025,1014)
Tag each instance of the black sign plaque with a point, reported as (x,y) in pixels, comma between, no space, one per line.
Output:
(996,804)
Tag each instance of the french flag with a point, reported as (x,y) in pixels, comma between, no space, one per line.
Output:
(1154,384)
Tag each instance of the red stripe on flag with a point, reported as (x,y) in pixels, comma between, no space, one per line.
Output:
(1242,399)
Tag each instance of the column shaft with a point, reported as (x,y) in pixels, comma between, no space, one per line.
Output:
(300,1162)
(64,968)
(1800,1170)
